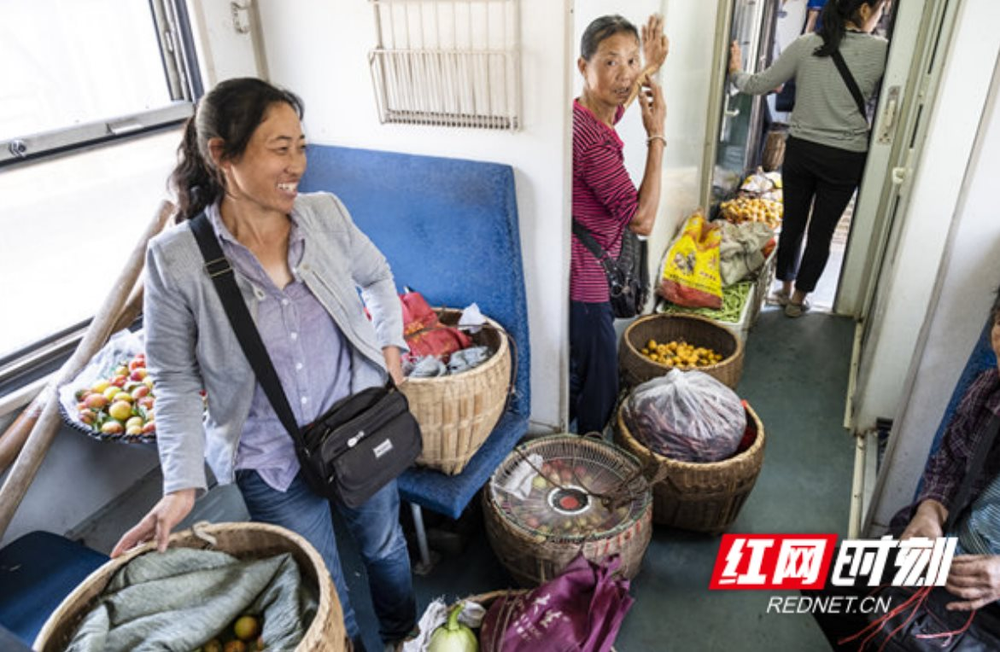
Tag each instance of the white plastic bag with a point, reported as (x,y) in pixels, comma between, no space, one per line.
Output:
(687,416)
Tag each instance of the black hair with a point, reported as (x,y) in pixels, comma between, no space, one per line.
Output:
(600,29)
(835,14)
(231,111)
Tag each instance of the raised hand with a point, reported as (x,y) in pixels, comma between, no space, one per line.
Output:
(655,44)
(735,58)
(654,108)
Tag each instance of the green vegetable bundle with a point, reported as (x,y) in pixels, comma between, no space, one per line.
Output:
(734,298)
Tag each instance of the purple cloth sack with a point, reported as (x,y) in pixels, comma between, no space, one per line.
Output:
(579,611)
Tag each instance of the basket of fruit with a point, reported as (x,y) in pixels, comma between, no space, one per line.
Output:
(457,412)
(113,397)
(245,632)
(556,496)
(703,497)
(653,345)
(746,208)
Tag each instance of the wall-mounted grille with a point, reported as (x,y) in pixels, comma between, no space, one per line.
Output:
(452,63)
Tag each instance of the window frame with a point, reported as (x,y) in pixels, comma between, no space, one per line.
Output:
(45,356)
(177,53)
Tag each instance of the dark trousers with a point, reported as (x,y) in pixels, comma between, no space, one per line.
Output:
(593,365)
(823,178)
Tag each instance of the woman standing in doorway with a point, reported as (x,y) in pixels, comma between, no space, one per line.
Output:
(605,201)
(828,135)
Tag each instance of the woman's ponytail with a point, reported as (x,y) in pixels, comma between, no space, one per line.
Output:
(835,14)
(196,183)
(832,30)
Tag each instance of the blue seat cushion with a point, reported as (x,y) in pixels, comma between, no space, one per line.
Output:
(37,571)
(447,494)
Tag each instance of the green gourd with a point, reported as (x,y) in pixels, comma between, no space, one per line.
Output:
(453,636)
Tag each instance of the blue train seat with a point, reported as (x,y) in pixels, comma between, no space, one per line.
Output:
(449,229)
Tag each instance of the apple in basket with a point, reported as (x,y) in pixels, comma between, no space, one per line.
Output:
(121,402)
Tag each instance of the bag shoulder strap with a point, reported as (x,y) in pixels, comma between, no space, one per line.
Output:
(852,85)
(224,279)
(584,235)
(978,460)
(609,264)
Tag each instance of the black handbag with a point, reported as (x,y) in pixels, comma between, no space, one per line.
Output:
(360,444)
(784,101)
(927,626)
(628,276)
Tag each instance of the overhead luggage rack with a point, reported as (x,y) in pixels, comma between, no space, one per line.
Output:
(452,63)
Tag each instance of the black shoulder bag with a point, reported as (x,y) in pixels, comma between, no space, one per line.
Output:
(628,276)
(852,85)
(360,444)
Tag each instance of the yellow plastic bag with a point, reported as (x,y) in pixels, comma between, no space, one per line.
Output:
(691,270)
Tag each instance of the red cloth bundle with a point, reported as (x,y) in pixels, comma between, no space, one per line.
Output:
(425,334)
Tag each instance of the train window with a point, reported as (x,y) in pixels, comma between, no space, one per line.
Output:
(105,85)
(76,73)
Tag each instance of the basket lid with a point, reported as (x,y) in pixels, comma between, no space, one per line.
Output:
(570,488)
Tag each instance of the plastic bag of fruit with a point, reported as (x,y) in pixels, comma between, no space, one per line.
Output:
(113,397)
(687,416)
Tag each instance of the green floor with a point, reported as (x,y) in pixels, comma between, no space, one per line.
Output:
(795,376)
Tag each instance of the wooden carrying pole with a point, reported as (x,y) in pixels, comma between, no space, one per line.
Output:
(101,328)
(12,440)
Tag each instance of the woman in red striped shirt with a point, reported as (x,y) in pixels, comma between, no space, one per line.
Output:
(605,200)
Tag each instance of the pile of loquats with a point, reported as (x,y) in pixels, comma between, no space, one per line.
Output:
(680,354)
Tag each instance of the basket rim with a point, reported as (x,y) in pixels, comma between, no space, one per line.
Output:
(494,359)
(736,354)
(749,453)
(646,500)
(112,566)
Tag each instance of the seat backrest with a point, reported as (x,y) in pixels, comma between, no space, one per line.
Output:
(448,227)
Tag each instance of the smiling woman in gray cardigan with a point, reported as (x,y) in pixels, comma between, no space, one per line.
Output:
(299,261)
(828,135)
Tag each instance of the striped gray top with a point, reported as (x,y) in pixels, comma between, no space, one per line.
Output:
(979,528)
(825,112)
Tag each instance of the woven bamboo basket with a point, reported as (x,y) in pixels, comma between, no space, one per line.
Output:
(700,497)
(635,368)
(458,412)
(243,540)
(774,149)
(532,554)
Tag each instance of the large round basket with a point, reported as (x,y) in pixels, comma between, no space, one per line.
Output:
(243,540)
(636,368)
(534,554)
(458,412)
(700,497)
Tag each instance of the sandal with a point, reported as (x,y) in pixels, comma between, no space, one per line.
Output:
(781,297)
(797,309)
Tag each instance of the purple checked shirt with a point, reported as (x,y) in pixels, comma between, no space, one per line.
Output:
(308,352)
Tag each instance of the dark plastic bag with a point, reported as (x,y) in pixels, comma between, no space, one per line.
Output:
(687,416)
(579,611)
